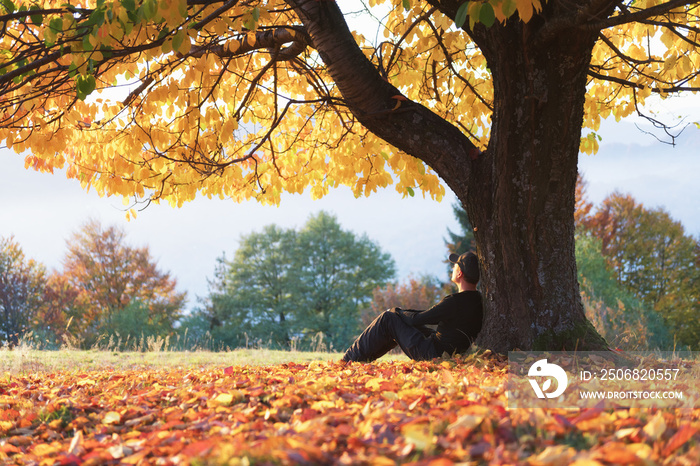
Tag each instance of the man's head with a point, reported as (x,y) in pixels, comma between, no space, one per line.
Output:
(469,265)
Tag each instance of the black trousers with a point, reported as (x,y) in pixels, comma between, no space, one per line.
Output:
(386,332)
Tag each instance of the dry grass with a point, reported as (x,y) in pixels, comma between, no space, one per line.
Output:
(24,359)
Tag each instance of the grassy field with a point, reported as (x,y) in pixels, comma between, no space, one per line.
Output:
(27,360)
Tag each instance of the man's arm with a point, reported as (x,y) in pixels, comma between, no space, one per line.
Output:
(430,316)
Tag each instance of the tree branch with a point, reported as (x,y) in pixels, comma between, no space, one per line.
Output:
(409,126)
(638,16)
(268,39)
(627,83)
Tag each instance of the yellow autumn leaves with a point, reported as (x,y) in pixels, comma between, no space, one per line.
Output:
(641,59)
(245,126)
(204,124)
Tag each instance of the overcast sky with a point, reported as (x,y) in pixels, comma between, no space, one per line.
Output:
(42,210)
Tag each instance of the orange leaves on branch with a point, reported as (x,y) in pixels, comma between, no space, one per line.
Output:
(526,8)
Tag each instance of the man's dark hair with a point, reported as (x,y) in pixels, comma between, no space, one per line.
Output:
(468,264)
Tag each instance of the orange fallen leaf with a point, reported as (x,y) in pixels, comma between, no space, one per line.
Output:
(557,455)
(618,453)
(685,433)
(387,412)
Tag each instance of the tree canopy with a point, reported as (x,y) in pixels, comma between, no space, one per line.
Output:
(160,99)
(285,287)
(166,98)
(653,258)
(21,288)
(117,287)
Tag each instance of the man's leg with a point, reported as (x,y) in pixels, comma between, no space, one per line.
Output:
(384,333)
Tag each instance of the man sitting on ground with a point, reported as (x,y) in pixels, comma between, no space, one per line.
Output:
(458,318)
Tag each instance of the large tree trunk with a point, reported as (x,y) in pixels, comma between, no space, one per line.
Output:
(521,198)
(519,194)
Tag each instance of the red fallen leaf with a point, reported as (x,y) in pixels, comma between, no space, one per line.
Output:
(97,457)
(228,370)
(344,429)
(679,438)
(198,448)
(590,413)
(9,415)
(9,449)
(563,421)
(70,460)
(308,413)
(406,368)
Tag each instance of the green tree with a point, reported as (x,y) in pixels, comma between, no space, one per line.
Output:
(618,314)
(135,323)
(110,277)
(22,283)
(652,258)
(463,240)
(285,285)
(338,272)
(254,297)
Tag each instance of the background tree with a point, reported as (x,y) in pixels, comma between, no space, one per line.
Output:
(286,285)
(111,276)
(254,296)
(463,240)
(583,206)
(653,259)
(620,316)
(339,271)
(250,99)
(22,283)
(57,308)
(416,293)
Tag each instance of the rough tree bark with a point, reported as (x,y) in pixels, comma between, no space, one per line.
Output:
(522,197)
(519,193)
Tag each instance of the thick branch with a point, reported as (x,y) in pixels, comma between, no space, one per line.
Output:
(34,65)
(408,126)
(269,39)
(640,15)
